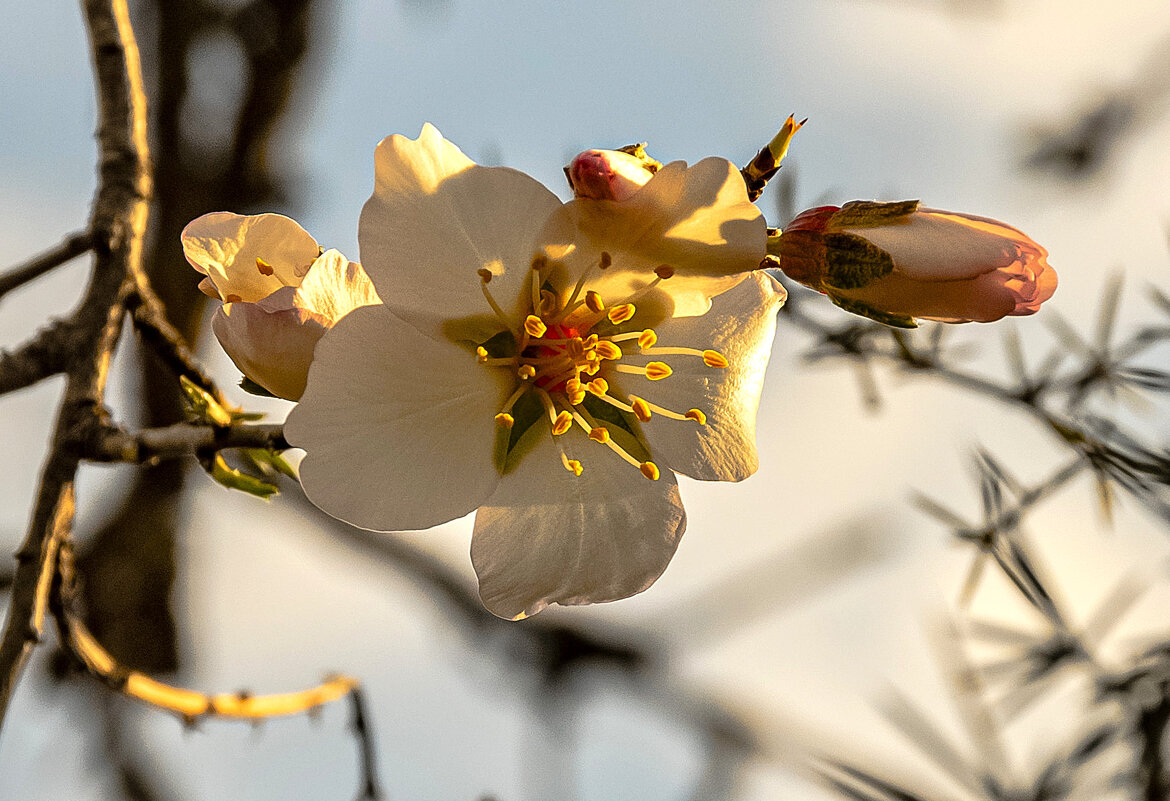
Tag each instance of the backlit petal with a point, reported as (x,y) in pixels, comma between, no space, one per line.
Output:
(335,286)
(740,325)
(547,536)
(696,219)
(436,218)
(398,426)
(225,247)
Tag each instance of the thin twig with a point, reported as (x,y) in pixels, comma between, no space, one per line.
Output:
(119,213)
(48,353)
(167,342)
(70,248)
(182,439)
(363,732)
(187,704)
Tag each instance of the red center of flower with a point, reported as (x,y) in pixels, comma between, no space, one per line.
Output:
(559,342)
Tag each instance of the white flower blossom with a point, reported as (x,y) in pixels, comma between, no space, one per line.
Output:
(551,365)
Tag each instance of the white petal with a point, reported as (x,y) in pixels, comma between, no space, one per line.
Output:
(225,246)
(547,536)
(335,286)
(436,218)
(696,219)
(740,325)
(272,346)
(398,427)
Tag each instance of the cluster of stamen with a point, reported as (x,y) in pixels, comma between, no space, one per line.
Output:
(558,358)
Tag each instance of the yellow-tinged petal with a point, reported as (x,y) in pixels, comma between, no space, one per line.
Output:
(436,219)
(740,325)
(226,247)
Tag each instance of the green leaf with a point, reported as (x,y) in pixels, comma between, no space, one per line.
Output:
(202,405)
(865,310)
(871,213)
(252,388)
(853,261)
(234,479)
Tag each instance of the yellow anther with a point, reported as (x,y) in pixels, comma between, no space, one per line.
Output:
(505,420)
(608,350)
(599,434)
(575,348)
(647,339)
(562,424)
(264,267)
(664,271)
(591,341)
(525,372)
(697,415)
(572,465)
(713,358)
(534,326)
(656,371)
(481,354)
(232,299)
(598,386)
(650,470)
(619,314)
(641,408)
(539,262)
(485,274)
(574,391)
(593,302)
(605,261)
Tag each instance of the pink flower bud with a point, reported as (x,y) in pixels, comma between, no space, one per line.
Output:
(607,174)
(899,261)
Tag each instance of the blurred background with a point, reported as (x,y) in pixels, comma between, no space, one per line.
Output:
(812,614)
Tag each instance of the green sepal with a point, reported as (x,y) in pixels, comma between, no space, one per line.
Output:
(270,463)
(500,346)
(865,310)
(852,262)
(234,479)
(252,388)
(638,151)
(870,214)
(201,405)
(513,443)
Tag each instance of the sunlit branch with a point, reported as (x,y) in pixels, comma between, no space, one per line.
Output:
(70,248)
(188,704)
(120,211)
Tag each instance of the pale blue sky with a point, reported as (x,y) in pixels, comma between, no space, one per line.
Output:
(904,100)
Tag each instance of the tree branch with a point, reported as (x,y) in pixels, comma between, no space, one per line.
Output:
(119,220)
(113,444)
(71,247)
(150,320)
(187,704)
(48,353)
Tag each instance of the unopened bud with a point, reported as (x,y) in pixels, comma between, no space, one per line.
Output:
(607,174)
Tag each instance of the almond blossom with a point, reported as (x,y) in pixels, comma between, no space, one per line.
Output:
(551,365)
(280,293)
